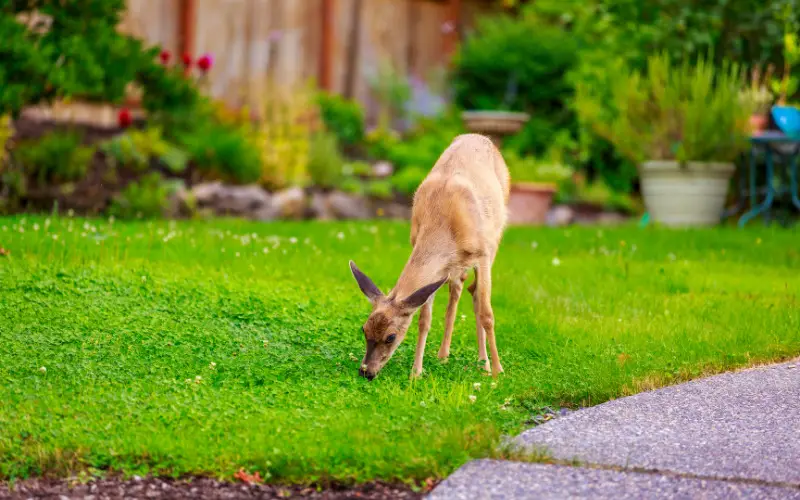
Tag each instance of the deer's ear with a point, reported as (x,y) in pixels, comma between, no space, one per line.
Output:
(422,295)
(366,285)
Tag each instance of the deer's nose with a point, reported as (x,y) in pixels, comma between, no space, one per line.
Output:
(367,375)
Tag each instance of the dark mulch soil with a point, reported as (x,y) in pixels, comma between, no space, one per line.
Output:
(155,488)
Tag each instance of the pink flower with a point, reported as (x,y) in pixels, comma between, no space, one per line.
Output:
(187,60)
(124,118)
(205,62)
(164,56)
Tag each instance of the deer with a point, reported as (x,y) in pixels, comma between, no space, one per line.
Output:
(458,217)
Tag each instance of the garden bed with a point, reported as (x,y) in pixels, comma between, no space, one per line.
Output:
(94,193)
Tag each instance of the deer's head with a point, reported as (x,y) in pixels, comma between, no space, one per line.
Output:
(388,322)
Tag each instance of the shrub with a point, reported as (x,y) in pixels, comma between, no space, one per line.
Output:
(137,148)
(325,162)
(146,198)
(342,117)
(685,112)
(381,189)
(56,157)
(514,64)
(223,151)
(422,146)
(57,56)
(408,180)
(287,120)
(549,169)
(519,64)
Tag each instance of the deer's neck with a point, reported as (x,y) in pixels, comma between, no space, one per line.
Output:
(426,265)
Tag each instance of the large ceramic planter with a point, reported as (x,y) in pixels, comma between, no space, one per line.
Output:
(494,124)
(529,202)
(685,195)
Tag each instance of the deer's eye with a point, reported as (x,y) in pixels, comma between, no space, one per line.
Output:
(390,339)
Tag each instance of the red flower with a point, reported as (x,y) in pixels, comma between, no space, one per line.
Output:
(124,118)
(187,60)
(205,62)
(164,56)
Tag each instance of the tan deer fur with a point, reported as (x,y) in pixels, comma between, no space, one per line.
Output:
(457,222)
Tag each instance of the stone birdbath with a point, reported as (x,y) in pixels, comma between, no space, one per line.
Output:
(495,124)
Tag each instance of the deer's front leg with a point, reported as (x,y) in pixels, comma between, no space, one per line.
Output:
(425,314)
(485,313)
(456,287)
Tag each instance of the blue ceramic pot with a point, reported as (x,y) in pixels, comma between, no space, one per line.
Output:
(788,120)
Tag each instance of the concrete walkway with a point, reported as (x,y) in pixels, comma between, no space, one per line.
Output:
(735,435)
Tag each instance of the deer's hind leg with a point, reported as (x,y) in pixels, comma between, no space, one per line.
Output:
(456,287)
(479,332)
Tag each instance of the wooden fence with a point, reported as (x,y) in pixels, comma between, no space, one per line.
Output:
(285,41)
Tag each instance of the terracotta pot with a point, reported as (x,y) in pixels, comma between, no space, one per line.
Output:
(529,203)
(494,124)
(758,123)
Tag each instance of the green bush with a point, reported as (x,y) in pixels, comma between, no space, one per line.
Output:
(70,59)
(381,189)
(548,169)
(408,180)
(342,117)
(683,112)
(224,151)
(146,198)
(514,64)
(422,146)
(135,149)
(325,162)
(56,157)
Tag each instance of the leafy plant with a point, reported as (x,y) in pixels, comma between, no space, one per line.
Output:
(515,64)
(757,93)
(137,148)
(422,146)
(56,157)
(6,132)
(223,151)
(686,112)
(146,198)
(287,119)
(49,52)
(408,180)
(550,169)
(342,117)
(381,189)
(325,162)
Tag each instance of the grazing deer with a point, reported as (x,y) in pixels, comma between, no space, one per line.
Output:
(457,221)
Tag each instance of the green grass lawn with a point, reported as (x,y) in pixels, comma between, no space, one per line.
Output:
(203,347)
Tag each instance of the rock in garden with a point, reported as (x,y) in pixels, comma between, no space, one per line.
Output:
(348,206)
(560,215)
(320,208)
(242,200)
(207,193)
(289,203)
(393,210)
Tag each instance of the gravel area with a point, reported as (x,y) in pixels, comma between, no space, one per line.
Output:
(157,489)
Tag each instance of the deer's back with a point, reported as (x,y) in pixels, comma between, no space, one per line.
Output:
(465,194)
